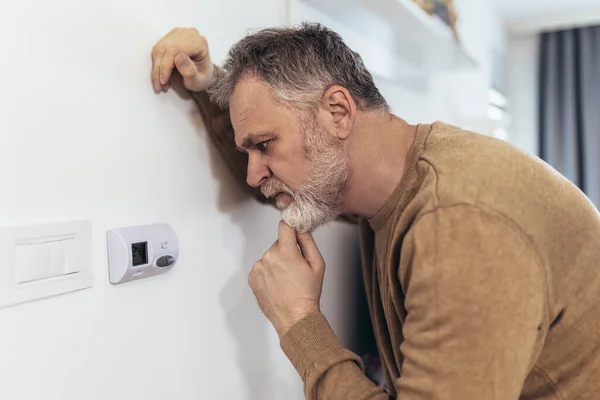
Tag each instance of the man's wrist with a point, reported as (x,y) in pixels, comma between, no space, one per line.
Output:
(309,340)
(288,322)
(209,78)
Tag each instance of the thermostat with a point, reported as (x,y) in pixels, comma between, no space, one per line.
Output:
(137,252)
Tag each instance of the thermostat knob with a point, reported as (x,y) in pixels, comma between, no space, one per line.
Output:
(165,261)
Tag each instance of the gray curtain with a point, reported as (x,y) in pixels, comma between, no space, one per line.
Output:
(569,106)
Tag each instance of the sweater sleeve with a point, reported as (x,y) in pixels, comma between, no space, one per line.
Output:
(328,370)
(475,307)
(221,133)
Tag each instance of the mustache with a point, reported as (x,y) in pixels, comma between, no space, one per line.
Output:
(273,187)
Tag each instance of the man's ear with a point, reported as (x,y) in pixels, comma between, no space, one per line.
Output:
(339,110)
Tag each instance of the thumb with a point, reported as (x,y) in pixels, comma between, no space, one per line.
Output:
(310,251)
(192,79)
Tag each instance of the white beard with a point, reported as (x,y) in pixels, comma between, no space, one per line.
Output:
(321,199)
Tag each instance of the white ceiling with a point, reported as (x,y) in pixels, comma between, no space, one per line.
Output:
(518,9)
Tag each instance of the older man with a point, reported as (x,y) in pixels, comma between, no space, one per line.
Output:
(480,262)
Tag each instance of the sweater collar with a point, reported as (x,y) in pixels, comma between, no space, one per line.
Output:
(402,193)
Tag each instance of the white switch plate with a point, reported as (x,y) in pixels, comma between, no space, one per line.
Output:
(44,260)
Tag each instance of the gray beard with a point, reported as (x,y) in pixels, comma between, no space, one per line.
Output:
(321,199)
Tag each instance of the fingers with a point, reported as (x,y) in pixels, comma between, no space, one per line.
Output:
(310,251)
(165,69)
(157,56)
(188,70)
(256,269)
(274,245)
(186,50)
(287,235)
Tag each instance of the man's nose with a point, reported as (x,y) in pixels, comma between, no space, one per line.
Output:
(258,172)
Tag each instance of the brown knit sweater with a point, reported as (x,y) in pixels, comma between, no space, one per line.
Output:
(482,275)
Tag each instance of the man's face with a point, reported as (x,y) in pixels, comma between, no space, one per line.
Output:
(292,158)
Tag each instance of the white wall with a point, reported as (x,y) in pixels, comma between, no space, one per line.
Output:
(457,97)
(83,135)
(523,91)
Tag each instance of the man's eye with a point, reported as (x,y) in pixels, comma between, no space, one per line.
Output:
(263,146)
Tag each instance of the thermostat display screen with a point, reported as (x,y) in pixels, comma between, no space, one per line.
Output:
(139,252)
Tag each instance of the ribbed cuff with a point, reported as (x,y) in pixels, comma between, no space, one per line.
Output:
(311,339)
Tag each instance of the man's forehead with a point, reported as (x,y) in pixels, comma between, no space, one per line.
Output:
(252,109)
(250,92)
(245,107)
(249,128)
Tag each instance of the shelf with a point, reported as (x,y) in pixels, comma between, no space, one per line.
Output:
(419,42)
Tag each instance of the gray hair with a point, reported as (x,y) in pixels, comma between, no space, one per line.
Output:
(299,64)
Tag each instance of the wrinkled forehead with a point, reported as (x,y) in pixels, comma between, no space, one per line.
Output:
(253,108)
(251,103)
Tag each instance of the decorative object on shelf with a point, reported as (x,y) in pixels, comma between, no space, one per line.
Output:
(444,9)
(397,39)
(427,5)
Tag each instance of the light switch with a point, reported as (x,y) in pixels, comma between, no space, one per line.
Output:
(44,260)
(37,260)
(57,258)
(40,268)
(72,264)
(24,262)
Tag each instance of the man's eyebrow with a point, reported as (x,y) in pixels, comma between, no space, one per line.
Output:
(251,139)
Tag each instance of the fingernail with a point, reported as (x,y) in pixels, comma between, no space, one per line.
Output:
(166,88)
